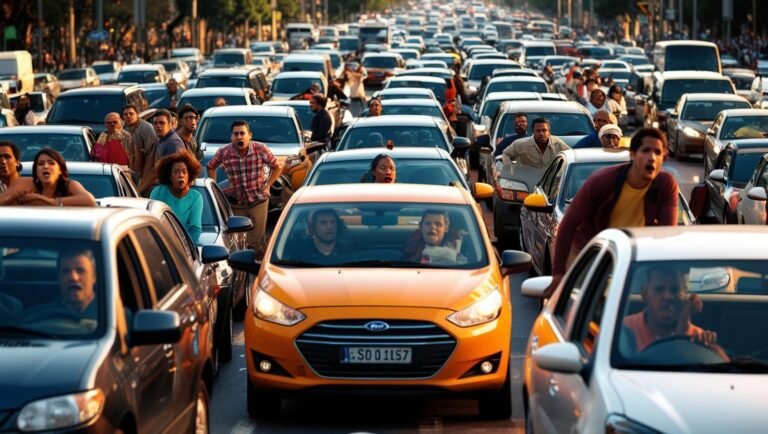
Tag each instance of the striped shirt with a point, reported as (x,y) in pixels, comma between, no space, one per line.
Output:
(247,175)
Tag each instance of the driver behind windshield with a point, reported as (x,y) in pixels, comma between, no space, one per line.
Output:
(324,228)
(668,310)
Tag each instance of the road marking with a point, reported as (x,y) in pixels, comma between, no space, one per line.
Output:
(244,427)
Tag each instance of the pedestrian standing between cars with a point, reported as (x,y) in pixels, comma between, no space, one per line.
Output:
(10,165)
(449,109)
(600,119)
(176,174)
(169,140)
(536,151)
(322,126)
(382,170)
(625,195)
(49,185)
(187,128)
(144,144)
(355,77)
(244,162)
(374,107)
(174,93)
(610,136)
(521,131)
(115,144)
(450,90)
(597,101)
(23,111)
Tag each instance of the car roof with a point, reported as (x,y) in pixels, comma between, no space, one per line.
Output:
(749,145)
(114,89)
(424,194)
(287,103)
(43,129)
(422,78)
(745,112)
(596,155)
(684,42)
(238,71)
(143,67)
(396,153)
(544,106)
(406,90)
(410,102)
(249,110)
(74,223)
(299,74)
(305,57)
(395,120)
(215,91)
(674,243)
(681,75)
(505,78)
(714,97)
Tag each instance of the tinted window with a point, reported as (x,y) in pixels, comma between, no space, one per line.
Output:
(380,62)
(674,89)
(75,74)
(561,124)
(707,110)
(263,129)
(438,89)
(433,111)
(517,86)
(691,58)
(209,221)
(138,77)
(742,83)
(373,137)
(158,97)
(161,268)
(409,170)
(222,81)
(98,185)
(71,147)
(742,170)
(577,176)
(84,109)
(539,51)
(744,127)
(480,71)
(304,66)
(104,68)
(203,103)
(228,59)
(294,86)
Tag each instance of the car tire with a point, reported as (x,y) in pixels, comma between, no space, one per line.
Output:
(202,420)
(225,346)
(498,405)
(260,404)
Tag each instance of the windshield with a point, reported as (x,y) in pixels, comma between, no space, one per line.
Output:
(158,97)
(98,185)
(265,129)
(616,75)
(203,103)
(674,89)
(138,77)
(408,55)
(295,86)
(561,124)
(104,68)
(517,86)
(438,89)
(726,297)
(539,51)
(222,81)
(433,111)
(381,235)
(50,289)
(742,82)
(303,66)
(380,62)
(84,109)
(744,127)
(741,172)
(36,102)
(74,74)
(228,59)
(632,60)
(9,67)
(708,110)
(409,170)
(410,136)
(691,58)
(480,71)
(348,44)
(71,146)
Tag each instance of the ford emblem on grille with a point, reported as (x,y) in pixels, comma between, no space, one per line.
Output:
(376,326)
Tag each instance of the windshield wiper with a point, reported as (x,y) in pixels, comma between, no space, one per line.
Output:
(298,263)
(386,263)
(10,329)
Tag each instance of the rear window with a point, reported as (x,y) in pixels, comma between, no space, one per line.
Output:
(294,86)
(303,66)
(222,81)
(409,136)
(138,77)
(742,171)
(409,170)
(228,59)
(380,62)
(674,89)
(708,110)
(84,109)
(98,185)
(691,58)
(479,71)
(517,86)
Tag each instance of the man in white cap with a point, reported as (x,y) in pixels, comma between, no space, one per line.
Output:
(610,136)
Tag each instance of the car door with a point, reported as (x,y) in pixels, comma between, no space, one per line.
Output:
(543,222)
(673,122)
(712,142)
(753,212)
(717,189)
(550,327)
(569,394)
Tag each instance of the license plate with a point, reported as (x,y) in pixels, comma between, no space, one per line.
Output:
(379,355)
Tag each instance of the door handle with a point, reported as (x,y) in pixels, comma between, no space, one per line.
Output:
(554,388)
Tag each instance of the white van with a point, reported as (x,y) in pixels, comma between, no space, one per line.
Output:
(16,73)
(533,51)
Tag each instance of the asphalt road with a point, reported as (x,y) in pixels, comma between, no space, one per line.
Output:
(335,415)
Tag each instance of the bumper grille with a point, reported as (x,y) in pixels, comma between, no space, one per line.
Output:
(322,347)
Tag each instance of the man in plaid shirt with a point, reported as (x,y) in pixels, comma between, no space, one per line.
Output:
(244,162)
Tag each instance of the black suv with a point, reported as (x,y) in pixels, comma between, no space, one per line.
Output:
(88,106)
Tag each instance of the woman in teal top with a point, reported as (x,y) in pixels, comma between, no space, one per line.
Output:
(176,174)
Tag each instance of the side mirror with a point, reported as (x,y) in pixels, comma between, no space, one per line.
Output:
(673,115)
(155,327)
(483,142)
(244,260)
(718,175)
(460,143)
(535,286)
(213,253)
(561,357)
(757,193)
(515,261)
(710,132)
(238,223)
(482,191)
(538,203)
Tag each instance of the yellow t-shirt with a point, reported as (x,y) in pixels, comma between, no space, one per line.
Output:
(630,208)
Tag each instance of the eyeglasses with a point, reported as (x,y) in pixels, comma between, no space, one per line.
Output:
(238,133)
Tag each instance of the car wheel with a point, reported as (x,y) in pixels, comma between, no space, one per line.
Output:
(201,410)
(225,347)
(260,404)
(498,405)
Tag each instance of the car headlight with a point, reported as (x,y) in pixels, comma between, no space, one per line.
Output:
(482,311)
(508,184)
(690,132)
(269,309)
(61,411)
(617,424)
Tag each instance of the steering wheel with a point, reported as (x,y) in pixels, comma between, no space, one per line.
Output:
(681,349)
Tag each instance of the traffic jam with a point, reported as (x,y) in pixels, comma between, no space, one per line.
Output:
(443,202)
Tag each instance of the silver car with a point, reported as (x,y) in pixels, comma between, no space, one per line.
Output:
(593,364)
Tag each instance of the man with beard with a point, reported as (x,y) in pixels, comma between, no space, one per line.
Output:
(23,111)
(186,130)
(624,195)
(324,228)
(521,130)
(537,151)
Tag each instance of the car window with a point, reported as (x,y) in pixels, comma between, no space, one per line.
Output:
(586,326)
(409,170)
(171,223)
(70,146)
(554,184)
(744,127)
(267,129)
(577,176)
(762,180)
(572,288)
(162,270)
(561,124)
(84,109)
(132,286)
(409,136)
(546,178)
(707,110)
(224,209)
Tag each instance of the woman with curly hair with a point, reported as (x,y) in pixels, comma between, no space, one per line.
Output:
(176,174)
(49,186)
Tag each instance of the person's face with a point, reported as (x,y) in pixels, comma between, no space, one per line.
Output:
(616,95)
(48,170)
(433,229)
(76,279)
(610,140)
(521,125)
(541,133)
(162,125)
(375,108)
(597,99)
(313,105)
(663,297)
(112,124)
(648,158)
(22,103)
(130,116)
(241,137)
(189,121)
(8,162)
(179,176)
(172,86)
(601,119)
(384,172)
(325,228)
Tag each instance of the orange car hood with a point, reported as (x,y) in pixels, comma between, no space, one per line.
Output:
(432,288)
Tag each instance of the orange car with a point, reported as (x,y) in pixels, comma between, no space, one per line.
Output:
(380,286)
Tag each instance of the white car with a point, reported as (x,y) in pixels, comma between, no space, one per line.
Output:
(653,330)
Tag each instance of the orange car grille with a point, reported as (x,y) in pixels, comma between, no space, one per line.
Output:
(322,347)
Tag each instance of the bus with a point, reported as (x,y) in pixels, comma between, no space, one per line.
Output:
(686,56)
